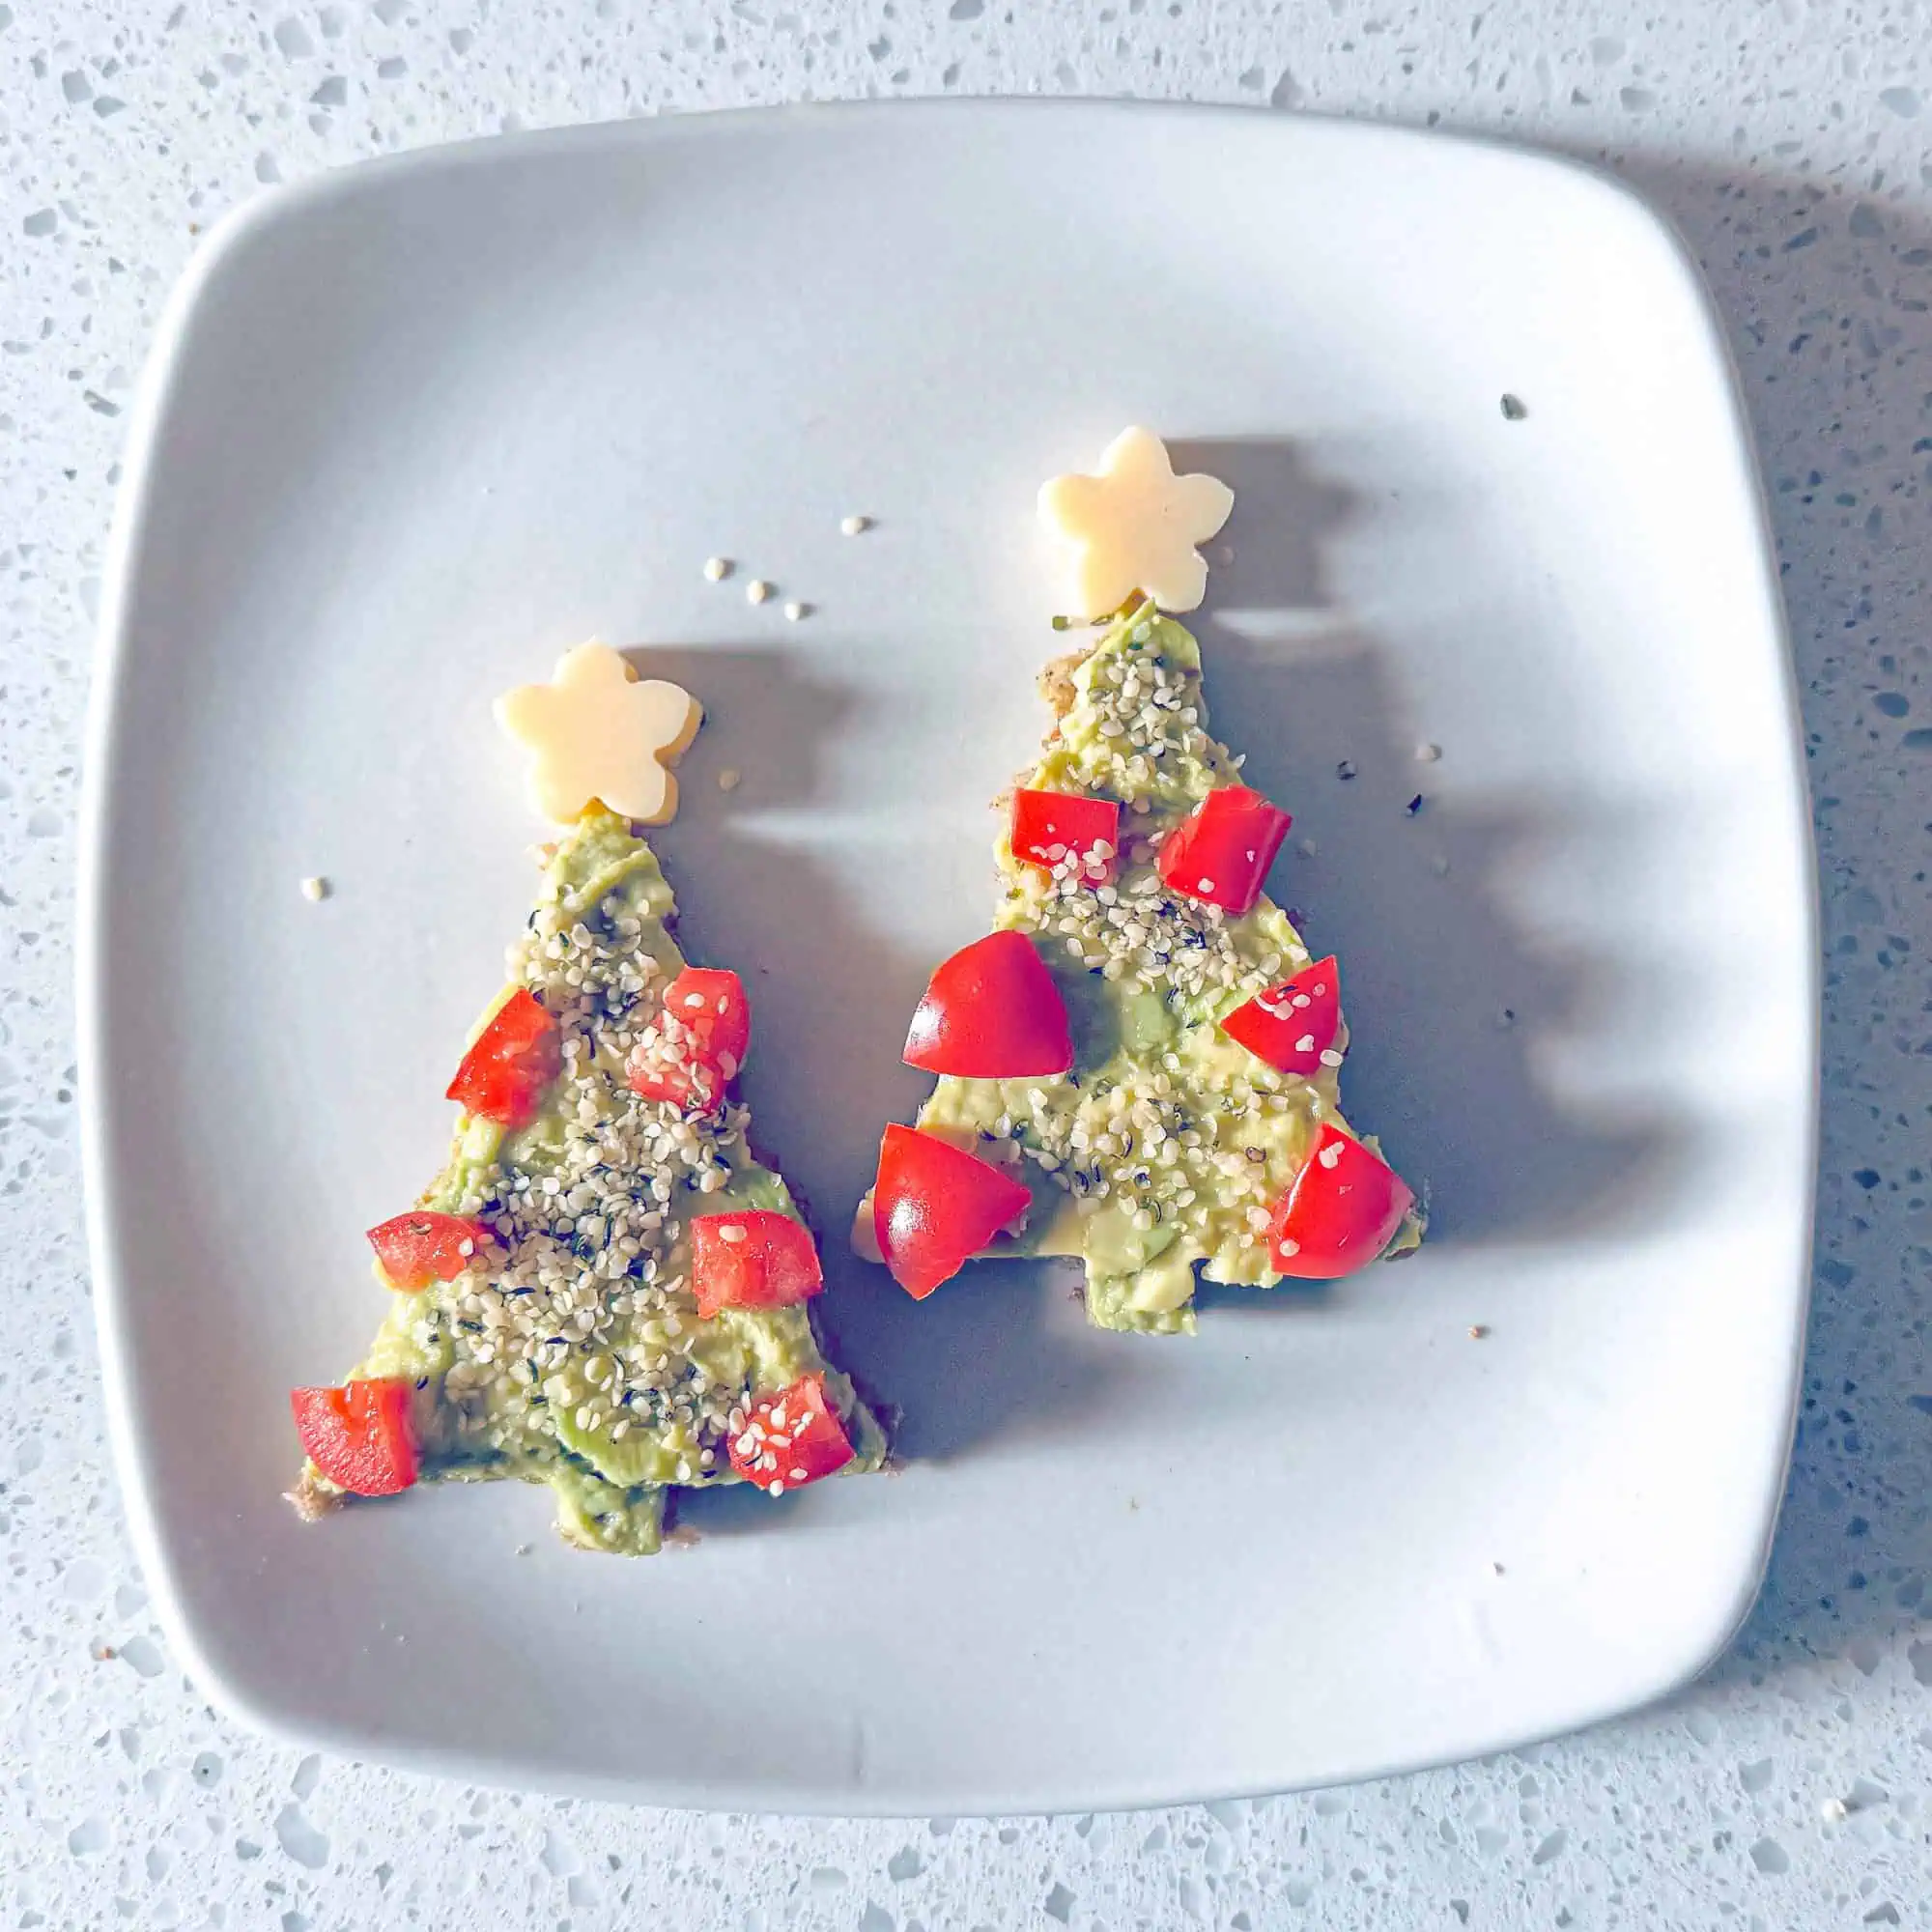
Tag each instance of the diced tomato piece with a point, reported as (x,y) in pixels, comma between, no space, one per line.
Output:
(1050,827)
(934,1207)
(514,1058)
(659,1077)
(1222,851)
(992,1012)
(360,1435)
(1340,1211)
(1292,1025)
(791,1439)
(709,1003)
(700,1040)
(756,1259)
(419,1248)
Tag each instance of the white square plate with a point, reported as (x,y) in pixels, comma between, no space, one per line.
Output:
(413,429)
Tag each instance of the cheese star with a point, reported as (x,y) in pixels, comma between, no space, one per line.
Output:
(1135,527)
(594,732)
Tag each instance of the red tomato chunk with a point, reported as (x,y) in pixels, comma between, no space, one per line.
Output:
(1050,828)
(514,1058)
(934,1207)
(756,1259)
(992,1012)
(418,1248)
(1221,853)
(1294,1025)
(791,1439)
(696,1049)
(360,1435)
(1339,1212)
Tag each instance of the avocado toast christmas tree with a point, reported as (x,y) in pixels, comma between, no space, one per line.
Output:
(605,1288)
(1139,1065)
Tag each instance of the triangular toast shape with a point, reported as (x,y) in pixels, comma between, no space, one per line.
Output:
(1167,1145)
(579,1339)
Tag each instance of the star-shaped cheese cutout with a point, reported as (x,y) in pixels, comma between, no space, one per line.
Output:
(1135,525)
(595,731)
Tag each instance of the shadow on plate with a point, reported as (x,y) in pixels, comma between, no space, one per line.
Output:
(1825,289)
(1444,995)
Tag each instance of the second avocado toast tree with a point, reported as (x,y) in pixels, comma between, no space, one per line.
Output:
(1140,1065)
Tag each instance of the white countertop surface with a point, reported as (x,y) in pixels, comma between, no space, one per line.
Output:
(1790,145)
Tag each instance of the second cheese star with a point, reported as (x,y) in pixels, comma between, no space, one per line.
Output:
(1135,527)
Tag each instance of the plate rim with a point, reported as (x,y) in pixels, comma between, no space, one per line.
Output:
(191,1645)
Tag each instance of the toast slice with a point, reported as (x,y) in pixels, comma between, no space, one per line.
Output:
(1192,1120)
(606,1290)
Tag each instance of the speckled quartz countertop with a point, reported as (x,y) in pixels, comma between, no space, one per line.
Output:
(1790,143)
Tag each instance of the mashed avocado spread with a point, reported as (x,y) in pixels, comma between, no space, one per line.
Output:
(570,1351)
(1168,1143)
